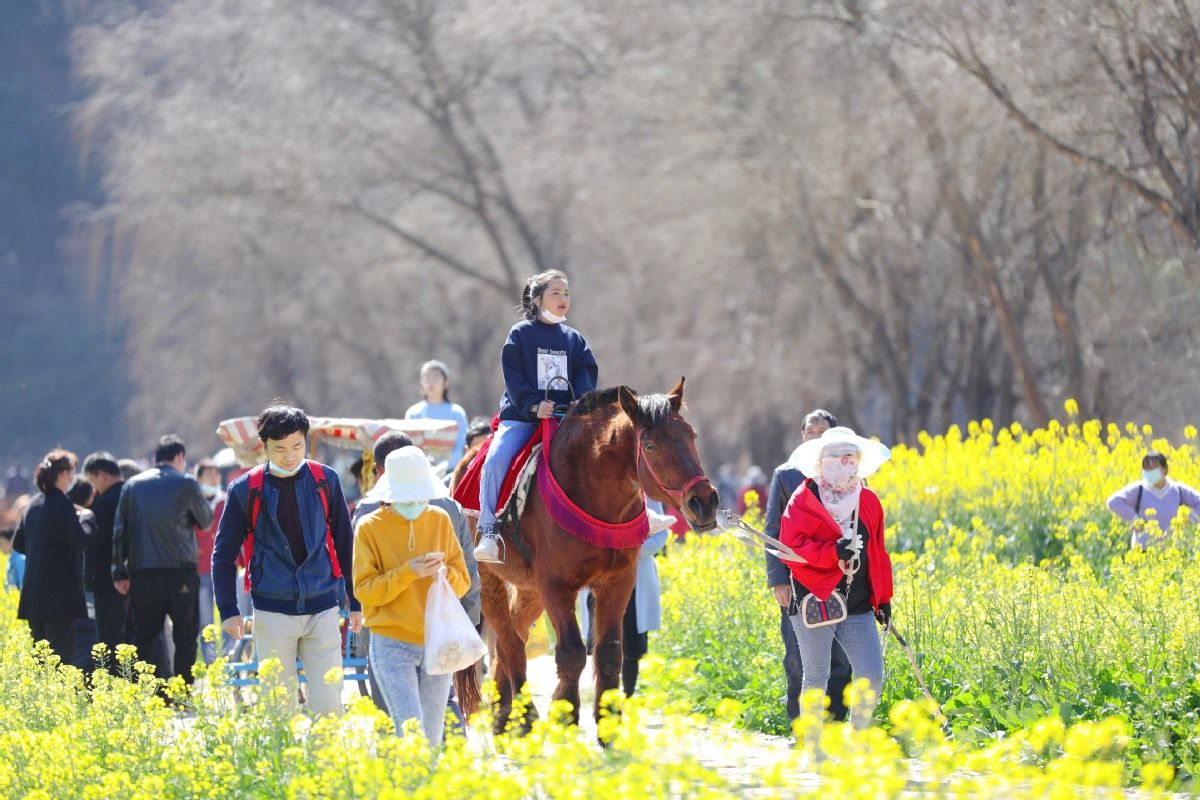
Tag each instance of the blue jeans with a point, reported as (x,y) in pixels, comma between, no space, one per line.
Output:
(793,670)
(510,437)
(408,690)
(857,636)
(207,649)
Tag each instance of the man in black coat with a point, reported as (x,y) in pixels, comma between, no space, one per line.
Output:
(784,483)
(112,607)
(154,553)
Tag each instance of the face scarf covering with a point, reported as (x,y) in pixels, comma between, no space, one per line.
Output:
(840,486)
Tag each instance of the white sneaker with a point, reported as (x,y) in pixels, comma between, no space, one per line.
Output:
(488,549)
(659,522)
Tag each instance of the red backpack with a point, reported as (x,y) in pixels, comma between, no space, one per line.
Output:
(254,498)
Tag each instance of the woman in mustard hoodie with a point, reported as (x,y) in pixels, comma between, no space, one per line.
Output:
(398,550)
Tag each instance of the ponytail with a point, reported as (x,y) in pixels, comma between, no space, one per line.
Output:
(527,309)
(56,461)
(534,287)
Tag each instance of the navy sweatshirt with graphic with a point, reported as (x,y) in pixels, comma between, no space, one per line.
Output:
(534,353)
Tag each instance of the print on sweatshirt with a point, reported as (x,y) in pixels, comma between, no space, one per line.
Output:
(552,368)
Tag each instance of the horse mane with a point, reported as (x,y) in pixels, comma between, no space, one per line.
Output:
(654,407)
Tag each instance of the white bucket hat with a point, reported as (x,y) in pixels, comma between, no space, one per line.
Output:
(407,477)
(807,457)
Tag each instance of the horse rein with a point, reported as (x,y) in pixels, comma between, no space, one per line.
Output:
(676,495)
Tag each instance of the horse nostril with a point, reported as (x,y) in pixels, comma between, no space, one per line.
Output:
(696,507)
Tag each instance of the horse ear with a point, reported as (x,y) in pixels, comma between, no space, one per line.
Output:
(676,396)
(629,402)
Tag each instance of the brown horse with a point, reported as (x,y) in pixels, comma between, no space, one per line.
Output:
(610,447)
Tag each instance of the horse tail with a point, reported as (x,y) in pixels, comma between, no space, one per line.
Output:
(467,689)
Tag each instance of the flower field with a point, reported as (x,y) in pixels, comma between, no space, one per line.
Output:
(1014,585)
(1062,662)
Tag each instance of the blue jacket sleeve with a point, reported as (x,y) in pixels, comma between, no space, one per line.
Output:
(777,572)
(584,371)
(343,535)
(521,391)
(231,534)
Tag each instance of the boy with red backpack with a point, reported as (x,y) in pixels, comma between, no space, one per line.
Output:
(288,518)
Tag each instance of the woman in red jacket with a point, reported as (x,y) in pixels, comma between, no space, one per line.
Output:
(835,524)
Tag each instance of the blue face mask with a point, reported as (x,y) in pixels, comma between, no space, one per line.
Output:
(284,473)
(1152,476)
(410,511)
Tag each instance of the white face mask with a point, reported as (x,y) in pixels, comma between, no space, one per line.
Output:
(552,318)
(208,490)
(1152,476)
(284,473)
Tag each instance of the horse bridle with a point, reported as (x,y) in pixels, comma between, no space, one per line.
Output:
(675,494)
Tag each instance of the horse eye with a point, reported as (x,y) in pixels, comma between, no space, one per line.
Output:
(648,446)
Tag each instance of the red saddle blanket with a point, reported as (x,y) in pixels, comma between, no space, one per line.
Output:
(570,517)
(467,491)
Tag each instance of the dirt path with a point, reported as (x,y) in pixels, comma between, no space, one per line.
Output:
(739,757)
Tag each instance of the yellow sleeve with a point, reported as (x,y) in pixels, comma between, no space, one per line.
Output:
(374,585)
(456,564)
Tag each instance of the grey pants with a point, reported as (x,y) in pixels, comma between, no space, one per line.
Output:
(408,690)
(858,638)
(316,640)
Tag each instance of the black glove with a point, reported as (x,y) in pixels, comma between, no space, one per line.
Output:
(884,614)
(843,550)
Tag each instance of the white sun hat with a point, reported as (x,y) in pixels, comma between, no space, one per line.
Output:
(807,457)
(407,477)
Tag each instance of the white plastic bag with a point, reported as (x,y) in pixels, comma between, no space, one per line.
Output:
(451,641)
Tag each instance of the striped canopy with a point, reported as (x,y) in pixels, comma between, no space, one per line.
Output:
(436,437)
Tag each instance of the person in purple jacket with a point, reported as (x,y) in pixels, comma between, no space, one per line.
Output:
(539,352)
(1154,497)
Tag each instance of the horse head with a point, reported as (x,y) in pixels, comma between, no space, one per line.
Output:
(668,466)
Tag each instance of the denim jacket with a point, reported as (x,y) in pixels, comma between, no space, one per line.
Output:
(277,583)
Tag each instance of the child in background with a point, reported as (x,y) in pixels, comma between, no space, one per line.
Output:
(14,576)
(435,388)
(397,553)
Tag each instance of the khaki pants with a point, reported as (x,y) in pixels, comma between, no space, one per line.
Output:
(315,640)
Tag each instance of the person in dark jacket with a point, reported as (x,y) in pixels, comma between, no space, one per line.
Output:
(784,482)
(53,541)
(82,494)
(154,554)
(112,607)
(300,562)
(540,355)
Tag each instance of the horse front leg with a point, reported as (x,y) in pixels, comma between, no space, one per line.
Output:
(612,597)
(570,655)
